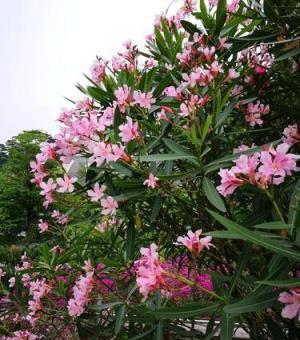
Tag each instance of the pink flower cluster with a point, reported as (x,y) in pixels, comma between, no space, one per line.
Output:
(149,272)
(21,335)
(262,169)
(81,294)
(254,113)
(38,289)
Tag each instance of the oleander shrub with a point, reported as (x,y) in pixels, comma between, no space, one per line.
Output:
(180,171)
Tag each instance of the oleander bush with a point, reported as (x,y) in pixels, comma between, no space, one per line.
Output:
(179,181)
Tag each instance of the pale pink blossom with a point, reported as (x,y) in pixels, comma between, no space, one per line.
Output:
(81,294)
(151,63)
(291,134)
(149,273)
(193,242)
(151,182)
(98,71)
(233,6)
(97,193)
(86,104)
(144,100)
(129,130)
(123,97)
(292,301)
(12,282)
(109,206)
(66,183)
(47,187)
(43,226)
(232,74)
(277,163)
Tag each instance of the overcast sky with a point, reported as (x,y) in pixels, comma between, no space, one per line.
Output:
(46,45)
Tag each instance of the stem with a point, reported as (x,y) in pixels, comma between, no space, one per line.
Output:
(283,231)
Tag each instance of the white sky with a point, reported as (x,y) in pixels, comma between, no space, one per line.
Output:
(46,45)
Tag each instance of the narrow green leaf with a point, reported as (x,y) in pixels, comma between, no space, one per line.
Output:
(273,225)
(98,308)
(212,194)
(162,157)
(120,319)
(224,234)
(227,327)
(281,283)
(288,54)
(185,311)
(220,16)
(252,303)
(270,244)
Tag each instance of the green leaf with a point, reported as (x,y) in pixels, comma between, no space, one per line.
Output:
(273,225)
(162,157)
(252,303)
(239,268)
(130,240)
(220,16)
(158,335)
(129,195)
(212,194)
(156,207)
(227,327)
(175,147)
(120,315)
(185,311)
(190,28)
(281,283)
(224,234)
(272,245)
(288,54)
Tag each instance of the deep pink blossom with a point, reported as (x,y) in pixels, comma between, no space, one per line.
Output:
(229,182)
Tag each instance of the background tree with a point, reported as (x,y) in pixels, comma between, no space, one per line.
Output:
(20,201)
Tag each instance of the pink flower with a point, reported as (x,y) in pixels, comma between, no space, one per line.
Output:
(246,165)
(86,104)
(233,6)
(291,135)
(98,71)
(232,74)
(193,242)
(151,182)
(277,163)
(150,63)
(229,182)
(48,187)
(123,97)
(255,111)
(81,292)
(143,99)
(43,226)
(292,301)
(129,130)
(66,183)
(149,273)
(109,205)
(97,193)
